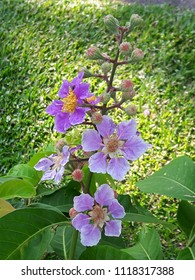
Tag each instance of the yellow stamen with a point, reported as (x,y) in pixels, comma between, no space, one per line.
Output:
(70,102)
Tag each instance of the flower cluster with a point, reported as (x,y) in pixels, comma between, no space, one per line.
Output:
(105,147)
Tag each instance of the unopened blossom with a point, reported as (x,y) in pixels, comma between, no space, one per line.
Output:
(77,175)
(127,85)
(96,117)
(125,48)
(68,110)
(131,110)
(137,55)
(97,214)
(53,166)
(114,146)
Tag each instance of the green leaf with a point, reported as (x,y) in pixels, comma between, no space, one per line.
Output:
(148,247)
(62,198)
(176,179)
(5,208)
(186,218)
(187,254)
(62,241)
(12,187)
(26,172)
(25,234)
(101,252)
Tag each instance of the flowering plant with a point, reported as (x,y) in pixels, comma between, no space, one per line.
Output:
(84,199)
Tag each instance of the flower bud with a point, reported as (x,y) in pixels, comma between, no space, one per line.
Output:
(96,118)
(105,97)
(72,213)
(125,48)
(78,175)
(137,55)
(87,73)
(127,85)
(135,20)
(131,110)
(106,67)
(128,95)
(94,53)
(60,144)
(111,24)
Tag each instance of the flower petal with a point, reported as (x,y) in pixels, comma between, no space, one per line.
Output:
(66,155)
(59,174)
(54,108)
(134,148)
(116,209)
(43,164)
(80,220)
(90,235)
(82,91)
(91,140)
(49,175)
(77,80)
(106,127)
(104,195)
(83,202)
(97,163)
(127,129)
(117,168)
(78,116)
(62,122)
(64,89)
(113,228)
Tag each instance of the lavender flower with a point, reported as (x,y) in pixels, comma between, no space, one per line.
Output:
(98,213)
(114,146)
(68,110)
(53,165)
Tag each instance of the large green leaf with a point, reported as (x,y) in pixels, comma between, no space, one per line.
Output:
(148,247)
(11,187)
(26,233)
(186,218)
(62,241)
(5,207)
(187,253)
(101,252)
(26,172)
(62,198)
(176,179)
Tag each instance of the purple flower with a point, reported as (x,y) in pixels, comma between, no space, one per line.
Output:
(53,165)
(68,110)
(115,145)
(96,214)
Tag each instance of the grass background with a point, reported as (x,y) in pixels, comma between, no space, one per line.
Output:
(43,42)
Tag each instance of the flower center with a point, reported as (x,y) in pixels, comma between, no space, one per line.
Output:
(112,145)
(57,160)
(99,215)
(70,102)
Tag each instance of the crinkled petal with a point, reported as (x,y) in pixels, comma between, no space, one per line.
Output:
(54,108)
(80,220)
(59,174)
(43,164)
(113,228)
(116,209)
(90,235)
(77,80)
(64,89)
(117,168)
(66,155)
(134,148)
(83,202)
(91,140)
(49,175)
(62,122)
(82,91)
(127,129)
(97,163)
(106,127)
(78,116)
(104,195)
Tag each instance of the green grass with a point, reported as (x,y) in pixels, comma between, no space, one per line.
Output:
(43,42)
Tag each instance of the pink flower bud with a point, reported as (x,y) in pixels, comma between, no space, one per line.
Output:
(77,175)
(135,20)
(131,110)
(96,118)
(72,213)
(125,48)
(128,95)
(106,67)
(137,55)
(94,53)
(127,85)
